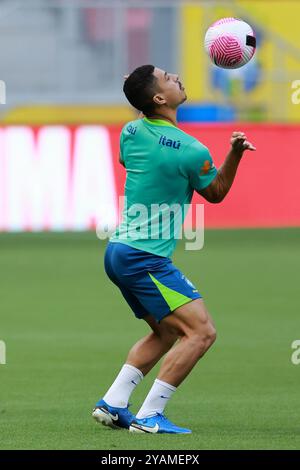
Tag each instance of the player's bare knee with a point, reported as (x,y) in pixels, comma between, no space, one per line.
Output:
(204,337)
(198,343)
(211,335)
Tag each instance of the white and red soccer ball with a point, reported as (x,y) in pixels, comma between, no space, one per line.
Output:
(230,43)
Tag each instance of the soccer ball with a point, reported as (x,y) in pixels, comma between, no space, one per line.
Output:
(230,43)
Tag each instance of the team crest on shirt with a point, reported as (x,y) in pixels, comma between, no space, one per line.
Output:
(206,167)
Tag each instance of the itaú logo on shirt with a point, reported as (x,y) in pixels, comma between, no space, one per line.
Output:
(131,129)
(175,144)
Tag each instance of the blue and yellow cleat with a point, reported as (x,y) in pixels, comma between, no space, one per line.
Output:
(156,424)
(113,417)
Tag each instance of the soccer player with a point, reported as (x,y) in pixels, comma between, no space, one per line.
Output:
(164,165)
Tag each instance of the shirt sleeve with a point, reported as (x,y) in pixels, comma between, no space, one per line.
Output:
(199,166)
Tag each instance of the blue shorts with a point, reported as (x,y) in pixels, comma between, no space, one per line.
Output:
(151,284)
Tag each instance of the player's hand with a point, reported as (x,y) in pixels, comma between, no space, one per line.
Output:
(240,143)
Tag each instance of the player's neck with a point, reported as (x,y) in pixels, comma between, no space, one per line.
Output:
(169,116)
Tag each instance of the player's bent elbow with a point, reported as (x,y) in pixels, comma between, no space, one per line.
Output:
(213,198)
(217,199)
(213,193)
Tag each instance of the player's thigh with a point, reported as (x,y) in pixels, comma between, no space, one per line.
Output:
(163,288)
(189,319)
(113,268)
(133,302)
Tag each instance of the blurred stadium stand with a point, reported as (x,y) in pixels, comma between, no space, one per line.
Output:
(63,60)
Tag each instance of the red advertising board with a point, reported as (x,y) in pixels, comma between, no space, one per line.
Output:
(66,178)
(266,192)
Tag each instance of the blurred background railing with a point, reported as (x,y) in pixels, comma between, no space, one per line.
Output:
(64,60)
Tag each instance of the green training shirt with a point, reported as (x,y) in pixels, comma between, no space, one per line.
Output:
(164,166)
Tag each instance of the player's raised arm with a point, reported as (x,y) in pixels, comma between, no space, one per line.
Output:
(222,183)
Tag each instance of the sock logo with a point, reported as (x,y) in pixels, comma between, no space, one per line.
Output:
(133,382)
(164,397)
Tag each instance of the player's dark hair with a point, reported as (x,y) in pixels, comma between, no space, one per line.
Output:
(140,87)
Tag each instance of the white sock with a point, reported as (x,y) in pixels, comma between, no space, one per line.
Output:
(118,394)
(156,399)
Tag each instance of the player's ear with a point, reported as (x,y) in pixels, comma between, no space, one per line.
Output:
(159,99)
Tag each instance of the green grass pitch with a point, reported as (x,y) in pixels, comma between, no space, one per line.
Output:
(67,331)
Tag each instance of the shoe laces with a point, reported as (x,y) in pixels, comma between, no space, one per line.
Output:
(157,415)
(162,416)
